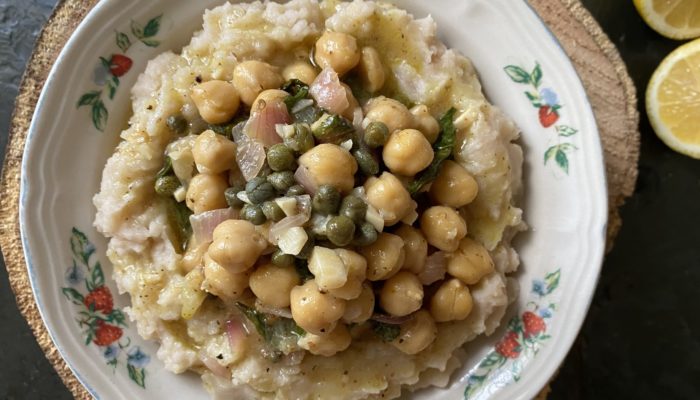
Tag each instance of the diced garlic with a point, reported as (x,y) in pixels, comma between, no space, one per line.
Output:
(288,205)
(328,268)
(347,145)
(180,194)
(292,240)
(375,218)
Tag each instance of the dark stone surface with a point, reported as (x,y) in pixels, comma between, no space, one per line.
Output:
(641,339)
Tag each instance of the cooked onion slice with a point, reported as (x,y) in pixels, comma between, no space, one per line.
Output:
(303,213)
(328,92)
(216,368)
(203,224)
(435,268)
(262,122)
(304,178)
(250,157)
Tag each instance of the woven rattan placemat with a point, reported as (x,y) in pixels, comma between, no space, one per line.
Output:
(609,88)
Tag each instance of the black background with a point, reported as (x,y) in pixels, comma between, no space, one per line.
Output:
(641,339)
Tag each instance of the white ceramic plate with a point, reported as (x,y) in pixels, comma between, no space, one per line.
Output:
(523,70)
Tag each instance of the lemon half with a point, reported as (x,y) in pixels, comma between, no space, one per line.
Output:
(676,19)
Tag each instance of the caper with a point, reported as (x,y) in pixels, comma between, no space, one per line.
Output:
(259,190)
(230,194)
(340,230)
(176,123)
(281,259)
(167,185)
(282,180)
(296,190)
(253,214)
(305,252)
(280,158)
(376,134)
(327,200)
(354,208)
(365,235)
(366,162)
(272,211)
(302,140)
(265,171)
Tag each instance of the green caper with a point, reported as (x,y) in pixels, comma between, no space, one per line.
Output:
(305,252)
(282,260)
(259,190)
(280,158)
(230,194)
(376,134)
(366,162)
(253,214)
(302,140)
(340,230)
(167,185)
(365,235)
(296,190)
(176,123)
(354,208)
(327,200)
(272,211)
(265,171)
(282,180)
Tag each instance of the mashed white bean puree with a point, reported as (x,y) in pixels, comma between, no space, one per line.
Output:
(177,298)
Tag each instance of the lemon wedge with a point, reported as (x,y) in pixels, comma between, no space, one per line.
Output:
(675,19)
(673,99)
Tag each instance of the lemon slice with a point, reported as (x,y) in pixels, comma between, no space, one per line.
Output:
(673,99)
(676,19)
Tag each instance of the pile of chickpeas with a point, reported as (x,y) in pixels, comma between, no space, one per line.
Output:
(369,252)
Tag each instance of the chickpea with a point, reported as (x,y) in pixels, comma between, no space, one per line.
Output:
(206,193)
(329,344)
(360,309)
(417,334)
(193,256)
(357,272)
(337,51)
(451,302)
(349,112)
(454,186)
(425,122)
(213,153)
(384,257)
(416,248)
(301,70)
(252,77)
(217,101)
(389,197)
(371,70)
(470,262)
(268,96)
(407,152)
(443,227)
(328,164)
(313,311)
(221,282)
(237,245)
(401,294)
(272,284)
(390,112)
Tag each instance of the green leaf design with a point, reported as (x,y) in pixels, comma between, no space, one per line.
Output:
(562,159)
(81,247)
(99,115)
(123,41)
(150,42)
(112,85)
(534,99)
(517,74)
(552,280)
(89,98)
(492,359)
(73,295)
(565,130)
(117,317)
(550,153)
(567,147)
(136,29)
(105,63)
(152,27)
(536,76)
(98,278)
(138,375)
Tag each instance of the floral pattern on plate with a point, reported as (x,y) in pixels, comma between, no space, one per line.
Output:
(101,322)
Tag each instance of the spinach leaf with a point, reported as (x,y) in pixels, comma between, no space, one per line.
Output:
(386,332)
(442,148)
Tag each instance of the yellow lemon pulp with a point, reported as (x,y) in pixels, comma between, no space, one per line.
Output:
(676,19)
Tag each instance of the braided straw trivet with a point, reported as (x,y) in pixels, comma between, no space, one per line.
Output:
(609,88)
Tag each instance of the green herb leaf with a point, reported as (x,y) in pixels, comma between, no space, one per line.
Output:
(99,115)
(89,98)
(152,27)
(167,168)
(442,148)
(73,295)
(179,222)
(280,333)
(536,76)
(386,332)
(566,131)
(332,129)
(517,74)
(297,90)
(123,41)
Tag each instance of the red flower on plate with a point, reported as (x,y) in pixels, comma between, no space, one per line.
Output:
(100,299)
(508,346)
(106,334)
(548,116)
(533,324)
(119,64)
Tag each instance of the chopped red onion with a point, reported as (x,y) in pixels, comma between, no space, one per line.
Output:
(435,268)
(299,219)
(236,332)
(328,92)
(304,178)
(262,122)
(250,157)
(203,224)
(216,368)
